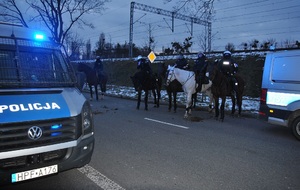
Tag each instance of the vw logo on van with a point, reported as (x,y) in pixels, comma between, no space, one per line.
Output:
(35,132)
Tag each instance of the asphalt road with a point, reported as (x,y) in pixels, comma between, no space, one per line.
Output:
(159,150)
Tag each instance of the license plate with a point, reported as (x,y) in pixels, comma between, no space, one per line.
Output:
(31,174)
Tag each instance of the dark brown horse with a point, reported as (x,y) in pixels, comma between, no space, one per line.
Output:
(221,88)
(94,79)
(142,81)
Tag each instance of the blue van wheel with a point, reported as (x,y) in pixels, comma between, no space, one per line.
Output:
(296,128)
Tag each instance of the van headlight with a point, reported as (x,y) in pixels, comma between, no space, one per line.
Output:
(87,119)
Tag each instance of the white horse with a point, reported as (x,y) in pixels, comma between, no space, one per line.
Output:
(188,82)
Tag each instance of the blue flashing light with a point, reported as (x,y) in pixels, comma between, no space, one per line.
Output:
(39,36)
(56,134)
(56,126)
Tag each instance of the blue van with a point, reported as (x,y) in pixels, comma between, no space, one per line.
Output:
(280,95)
(46,124)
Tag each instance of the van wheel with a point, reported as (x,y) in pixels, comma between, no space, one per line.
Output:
(296,128)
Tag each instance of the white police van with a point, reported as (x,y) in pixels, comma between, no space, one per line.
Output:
(280,96)
(46,124)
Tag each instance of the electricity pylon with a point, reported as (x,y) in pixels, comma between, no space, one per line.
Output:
(171,14)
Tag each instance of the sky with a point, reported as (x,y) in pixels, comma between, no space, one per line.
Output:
(234,21)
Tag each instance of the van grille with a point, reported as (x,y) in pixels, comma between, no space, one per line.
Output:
(15,136)
(25,161)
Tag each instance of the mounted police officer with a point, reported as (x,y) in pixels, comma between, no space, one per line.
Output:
(229,67)
(143,65)
(98,66)
(200,68)
(181,62)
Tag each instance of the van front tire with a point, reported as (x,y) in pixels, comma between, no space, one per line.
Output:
(296,128)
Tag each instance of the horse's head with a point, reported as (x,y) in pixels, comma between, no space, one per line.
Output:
(170,74)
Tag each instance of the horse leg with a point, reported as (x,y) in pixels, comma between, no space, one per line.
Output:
(158,96)
(139,99)
(239,103)
(146,99)
(211,100)
(155,100)
(102,90)
(175,101)
(188,107)
(91,92)
(194,99)
(222,108)
(96,91)
(170,100)
(216,107)
(233,105)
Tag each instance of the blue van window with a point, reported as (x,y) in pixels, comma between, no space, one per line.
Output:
(286,69)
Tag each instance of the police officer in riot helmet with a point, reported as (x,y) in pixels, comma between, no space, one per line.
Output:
(143,65)
(98,66)
(181,62)
(200,68)
(229,67)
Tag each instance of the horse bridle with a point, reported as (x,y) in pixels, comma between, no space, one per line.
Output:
(168,80)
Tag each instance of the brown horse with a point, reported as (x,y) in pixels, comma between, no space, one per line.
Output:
(93,79)
(142,81)
(221,88)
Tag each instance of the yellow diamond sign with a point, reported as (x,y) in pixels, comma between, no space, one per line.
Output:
(151,56)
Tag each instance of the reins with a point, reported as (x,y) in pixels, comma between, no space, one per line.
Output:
(182,83)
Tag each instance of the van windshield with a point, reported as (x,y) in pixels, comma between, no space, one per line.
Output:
(24,67)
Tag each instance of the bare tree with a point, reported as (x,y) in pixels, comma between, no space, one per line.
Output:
(10,12)
(195,8)
(74,45)
(181,48)
(203,9)
(230,47)
(288,43)
(254,44)
(59,16)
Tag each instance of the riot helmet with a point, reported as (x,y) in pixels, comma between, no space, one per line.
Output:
(227,54)
(139,58)
(180,56)
(201,55)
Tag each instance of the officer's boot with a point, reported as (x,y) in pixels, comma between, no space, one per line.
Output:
(199,87)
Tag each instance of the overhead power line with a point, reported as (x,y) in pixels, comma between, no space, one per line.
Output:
(171,14)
